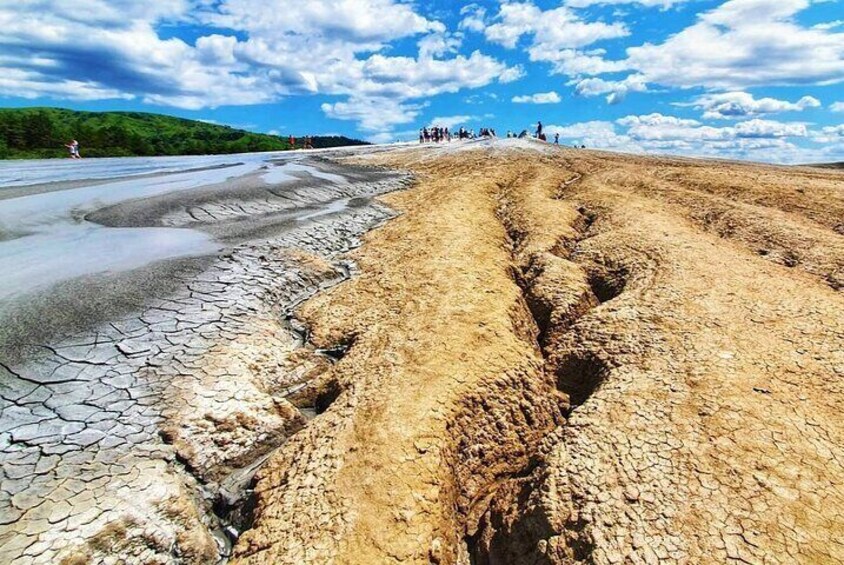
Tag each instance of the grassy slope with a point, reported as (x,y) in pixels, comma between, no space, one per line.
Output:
(42,132)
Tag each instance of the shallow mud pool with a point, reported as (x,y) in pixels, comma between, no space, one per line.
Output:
(147,363)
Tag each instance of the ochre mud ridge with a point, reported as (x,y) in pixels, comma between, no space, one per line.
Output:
(554,361)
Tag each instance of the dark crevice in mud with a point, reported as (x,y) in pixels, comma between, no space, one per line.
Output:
(183,460)
(235,501)
(316,397)
(540,311)
(515,236)
(588,219)
(204,496)
(328,393)
(607,283)
(336,352)
(579,376)
(502,537)
(231,503)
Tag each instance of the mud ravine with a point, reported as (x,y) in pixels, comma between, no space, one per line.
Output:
(537,355)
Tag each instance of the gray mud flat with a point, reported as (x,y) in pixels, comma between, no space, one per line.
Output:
(133,401)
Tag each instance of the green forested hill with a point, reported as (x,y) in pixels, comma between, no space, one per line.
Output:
(42,132)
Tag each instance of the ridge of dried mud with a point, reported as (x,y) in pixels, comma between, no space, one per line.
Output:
(557,356)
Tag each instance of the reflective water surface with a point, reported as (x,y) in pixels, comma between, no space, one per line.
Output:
(45,238)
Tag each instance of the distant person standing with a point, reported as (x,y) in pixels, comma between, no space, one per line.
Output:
(73,147)
(539,130)
(292,141)
(556,139)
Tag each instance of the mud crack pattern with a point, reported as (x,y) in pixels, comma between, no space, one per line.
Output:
(557,356)
(115,441)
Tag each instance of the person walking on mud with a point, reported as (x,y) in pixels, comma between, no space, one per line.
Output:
(73,147)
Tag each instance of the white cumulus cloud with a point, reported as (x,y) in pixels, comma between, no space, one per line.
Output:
(734,105)
(756,139)
(744,43)
(474,18)
(451,122)
(255,51)
(664,4)
(616,91)
(554,34)
(538,98)
(373,114)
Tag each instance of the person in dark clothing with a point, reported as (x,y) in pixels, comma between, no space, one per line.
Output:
(539,129)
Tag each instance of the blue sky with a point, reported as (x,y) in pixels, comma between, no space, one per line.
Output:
(748,79)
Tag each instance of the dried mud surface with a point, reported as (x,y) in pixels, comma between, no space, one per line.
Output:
(118,441)
(540,355)
(558,356)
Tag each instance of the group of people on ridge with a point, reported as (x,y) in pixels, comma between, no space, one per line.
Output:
(437,134)
(434,134)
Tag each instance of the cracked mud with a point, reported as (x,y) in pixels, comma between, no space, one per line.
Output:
(549,356)
(555,358)
(120,435)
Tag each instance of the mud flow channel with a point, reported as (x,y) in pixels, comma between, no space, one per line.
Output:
(149,358)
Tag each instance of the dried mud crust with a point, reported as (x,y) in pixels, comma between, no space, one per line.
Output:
(115,442)
(550,363)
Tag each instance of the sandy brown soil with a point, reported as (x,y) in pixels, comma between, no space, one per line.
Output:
(561,356)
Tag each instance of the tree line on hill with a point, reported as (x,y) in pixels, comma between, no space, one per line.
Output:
(38,133)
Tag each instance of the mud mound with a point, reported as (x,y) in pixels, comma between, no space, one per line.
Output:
(553,358)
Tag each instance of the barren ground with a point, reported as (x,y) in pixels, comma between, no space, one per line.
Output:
(559,356)
(546,356)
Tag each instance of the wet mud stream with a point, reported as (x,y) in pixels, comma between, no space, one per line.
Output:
(135,426)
